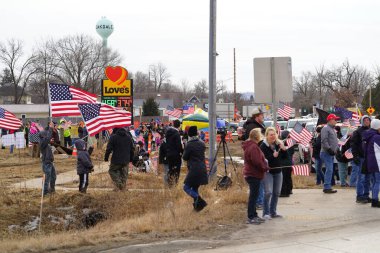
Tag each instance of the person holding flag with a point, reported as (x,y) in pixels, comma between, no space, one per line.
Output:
(329,143)
(359,178)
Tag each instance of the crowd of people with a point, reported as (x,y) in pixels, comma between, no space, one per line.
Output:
(268,162)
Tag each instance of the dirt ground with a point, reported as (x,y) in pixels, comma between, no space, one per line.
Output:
(148,210)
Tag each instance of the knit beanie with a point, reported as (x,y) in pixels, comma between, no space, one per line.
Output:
(363,118)
(375,124)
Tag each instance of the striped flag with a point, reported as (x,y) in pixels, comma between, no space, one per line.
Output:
(278,129)
(356,119)
(171,111)
(301,170)
(64,99)
(8,120)
(343,142)
(300,134)
(284,110)
(187,109)
(348,154)
(290,142)
(99,117)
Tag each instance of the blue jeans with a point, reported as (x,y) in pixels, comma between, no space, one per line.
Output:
(192,191)
(376,185)
(318,170)
(328,160)
(364,183)
(343,172)
(272,187)
(260,199)
(50,177)
(166,174)
(355,173)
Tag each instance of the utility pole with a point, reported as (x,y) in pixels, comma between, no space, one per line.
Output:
(212,87)
(235,99)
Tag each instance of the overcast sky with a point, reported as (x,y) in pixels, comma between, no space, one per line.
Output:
(176,32)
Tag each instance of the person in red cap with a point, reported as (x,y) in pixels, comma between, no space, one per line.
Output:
(329,141)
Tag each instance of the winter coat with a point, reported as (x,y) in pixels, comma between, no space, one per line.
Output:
(255,164)
(162,158)
(371,147)
(55,136)
(252,124)
(273,162)
(121,147)
(317,145)
(356,142)
(194,154)
(287,160)
(45,148)
(84,164)
(81,132)
(174,148)
(329,139)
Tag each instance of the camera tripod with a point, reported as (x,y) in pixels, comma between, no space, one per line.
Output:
(225,181)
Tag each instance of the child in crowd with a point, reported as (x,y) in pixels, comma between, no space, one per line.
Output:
(84,164)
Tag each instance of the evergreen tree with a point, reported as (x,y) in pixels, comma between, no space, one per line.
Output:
(150,108)
(375,98)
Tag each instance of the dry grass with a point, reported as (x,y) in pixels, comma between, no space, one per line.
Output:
(131,215)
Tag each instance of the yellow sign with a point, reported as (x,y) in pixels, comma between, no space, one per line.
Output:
(370,110)
(112,89)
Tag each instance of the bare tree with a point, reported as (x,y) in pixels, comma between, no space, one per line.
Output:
(159,74)
(11,55)
(201,89)
(81,61)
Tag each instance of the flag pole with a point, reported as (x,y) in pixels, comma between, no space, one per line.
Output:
(48,88)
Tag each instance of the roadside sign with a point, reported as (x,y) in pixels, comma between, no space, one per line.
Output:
(370,110)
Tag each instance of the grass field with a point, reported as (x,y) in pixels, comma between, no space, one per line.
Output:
(134,215)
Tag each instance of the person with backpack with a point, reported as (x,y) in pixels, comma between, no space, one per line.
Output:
(194,154)
(360,178)
(371,164)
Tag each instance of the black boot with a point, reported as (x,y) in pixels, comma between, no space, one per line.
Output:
(375,203)
(199,204)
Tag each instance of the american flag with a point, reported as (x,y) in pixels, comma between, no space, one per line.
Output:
(348,154)
(284,110)
(300,134)
(301,170)
(171,111)
(64,99)
(356,119)
(290,142)
(343,113)
(187,109)
(99,117)
(8,120)
(278,129)
(343,142)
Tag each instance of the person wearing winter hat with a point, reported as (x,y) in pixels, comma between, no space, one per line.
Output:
(359,178)
(194,154)
(329,141)
(371,139)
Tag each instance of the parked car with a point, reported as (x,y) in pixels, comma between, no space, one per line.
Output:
(240,129)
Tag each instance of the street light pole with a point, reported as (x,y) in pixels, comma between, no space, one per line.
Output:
(212,87)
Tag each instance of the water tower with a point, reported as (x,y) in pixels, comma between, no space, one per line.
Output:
(104,28)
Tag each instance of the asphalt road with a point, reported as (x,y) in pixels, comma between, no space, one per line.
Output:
(312,222)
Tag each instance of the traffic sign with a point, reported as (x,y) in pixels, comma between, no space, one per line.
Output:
(370,110)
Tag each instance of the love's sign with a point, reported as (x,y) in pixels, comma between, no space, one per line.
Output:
(117,84)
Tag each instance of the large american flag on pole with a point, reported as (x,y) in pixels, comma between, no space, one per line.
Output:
(8,120)
(99,117)
(64,99)
(301,134)
(284,110)
(171,111)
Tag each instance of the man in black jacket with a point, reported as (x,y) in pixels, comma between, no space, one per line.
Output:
(360,178)
(47,159)
(257,121)
(122,149)
(174,150)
